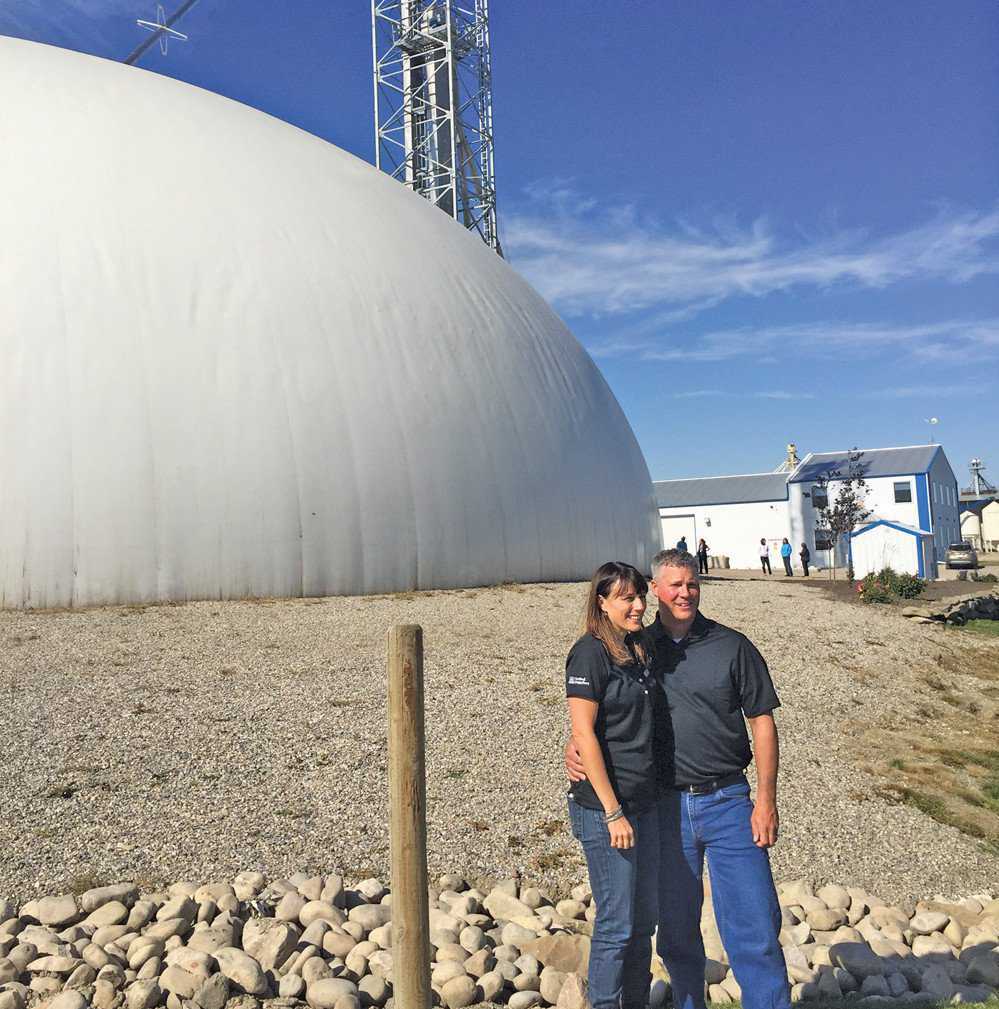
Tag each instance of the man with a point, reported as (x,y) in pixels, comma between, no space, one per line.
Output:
(713,677)
(682,543)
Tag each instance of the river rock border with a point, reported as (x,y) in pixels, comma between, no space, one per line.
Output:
(312,941)
(958,611)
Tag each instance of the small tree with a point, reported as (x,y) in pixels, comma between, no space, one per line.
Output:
(843,514)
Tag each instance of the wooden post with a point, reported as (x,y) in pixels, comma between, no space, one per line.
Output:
(408,819)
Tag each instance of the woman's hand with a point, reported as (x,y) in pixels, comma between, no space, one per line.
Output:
(574,769)
(621,834)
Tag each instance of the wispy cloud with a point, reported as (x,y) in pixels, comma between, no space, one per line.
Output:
(943,340)
(589,261)
(708,393)
(73,21)
(930,392)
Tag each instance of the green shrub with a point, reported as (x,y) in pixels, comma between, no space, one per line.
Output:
(873,590)
(889,584)
(908,586)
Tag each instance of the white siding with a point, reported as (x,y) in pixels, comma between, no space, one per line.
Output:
(735,529)
(677,525)
(881,501)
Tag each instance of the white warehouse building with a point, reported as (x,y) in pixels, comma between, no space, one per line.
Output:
(912,488)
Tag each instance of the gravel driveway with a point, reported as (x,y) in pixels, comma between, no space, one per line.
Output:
(194,741)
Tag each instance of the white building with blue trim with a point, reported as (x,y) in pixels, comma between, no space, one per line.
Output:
(910,488)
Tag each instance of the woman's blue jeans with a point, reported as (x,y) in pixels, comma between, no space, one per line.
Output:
(717,826)
(625,887)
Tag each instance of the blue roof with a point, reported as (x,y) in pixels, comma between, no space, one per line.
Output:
(717,490)
(902,527)
(875,462)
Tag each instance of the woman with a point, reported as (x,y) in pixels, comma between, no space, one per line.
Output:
(785,556)
(613,705)
(806,558)
(765,556)
(702,557)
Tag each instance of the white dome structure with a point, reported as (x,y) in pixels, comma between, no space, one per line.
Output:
(237,361)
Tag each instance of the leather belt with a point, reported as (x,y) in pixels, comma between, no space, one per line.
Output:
(707,787)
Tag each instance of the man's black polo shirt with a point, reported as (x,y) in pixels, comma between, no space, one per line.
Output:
(712,678)
(630,709)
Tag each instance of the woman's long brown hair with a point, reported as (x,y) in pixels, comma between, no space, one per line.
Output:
(609,579)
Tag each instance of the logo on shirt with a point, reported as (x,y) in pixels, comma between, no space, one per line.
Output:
(578,681)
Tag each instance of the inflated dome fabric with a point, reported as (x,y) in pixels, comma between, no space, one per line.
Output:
(238,361)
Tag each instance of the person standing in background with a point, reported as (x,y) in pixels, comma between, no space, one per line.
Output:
(702,557)
(765,557)
(785,556)
(682,543)
(806,557)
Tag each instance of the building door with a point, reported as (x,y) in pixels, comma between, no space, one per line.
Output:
(676,526)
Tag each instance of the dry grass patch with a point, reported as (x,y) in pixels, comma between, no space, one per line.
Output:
(944,761)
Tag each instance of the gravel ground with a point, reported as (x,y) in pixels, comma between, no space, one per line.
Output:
(190,742)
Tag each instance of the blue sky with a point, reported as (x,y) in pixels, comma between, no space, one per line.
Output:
(767,222)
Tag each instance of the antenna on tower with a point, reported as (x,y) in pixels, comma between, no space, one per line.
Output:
(433,105)
(162,30)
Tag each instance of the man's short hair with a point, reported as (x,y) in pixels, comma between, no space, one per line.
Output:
(674,558)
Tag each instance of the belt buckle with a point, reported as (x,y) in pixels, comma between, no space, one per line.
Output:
(705,789)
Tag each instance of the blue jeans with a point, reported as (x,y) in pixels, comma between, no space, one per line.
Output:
(625,887)
(742,888)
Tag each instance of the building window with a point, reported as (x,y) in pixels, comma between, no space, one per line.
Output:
(823,539)
(903,492)
(820,500)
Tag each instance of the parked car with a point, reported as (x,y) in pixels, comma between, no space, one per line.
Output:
(962,555)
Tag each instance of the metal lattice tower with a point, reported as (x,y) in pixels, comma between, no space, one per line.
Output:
(980,487)
(433,105)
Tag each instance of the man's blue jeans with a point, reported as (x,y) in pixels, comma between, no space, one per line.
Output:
(625,887)
(742,888)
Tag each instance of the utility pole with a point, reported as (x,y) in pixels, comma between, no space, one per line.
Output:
(433,105)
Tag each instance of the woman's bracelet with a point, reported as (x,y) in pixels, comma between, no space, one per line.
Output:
(614,814)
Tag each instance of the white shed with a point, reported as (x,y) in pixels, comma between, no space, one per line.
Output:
(880,543)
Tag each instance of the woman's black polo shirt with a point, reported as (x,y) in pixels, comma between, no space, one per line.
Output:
(630,704)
